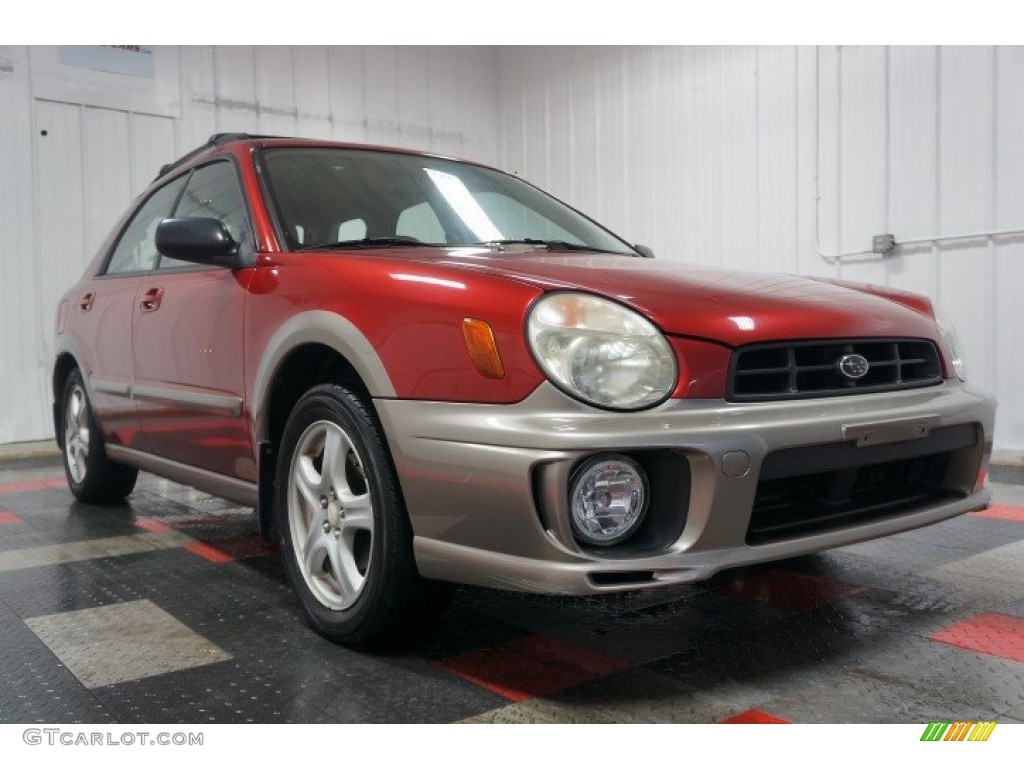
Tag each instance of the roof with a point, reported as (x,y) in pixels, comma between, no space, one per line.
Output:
(224,139)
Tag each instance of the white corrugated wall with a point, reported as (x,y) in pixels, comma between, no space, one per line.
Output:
(774,158)
(755,158)
(107,134)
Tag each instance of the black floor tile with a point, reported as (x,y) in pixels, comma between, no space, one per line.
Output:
(693,653)
(34,686)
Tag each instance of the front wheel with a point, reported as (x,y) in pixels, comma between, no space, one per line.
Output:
(345,534)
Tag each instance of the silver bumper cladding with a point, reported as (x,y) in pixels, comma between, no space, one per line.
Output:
(486,485)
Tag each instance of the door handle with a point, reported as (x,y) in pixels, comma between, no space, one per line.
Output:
(150,301)
(86,301)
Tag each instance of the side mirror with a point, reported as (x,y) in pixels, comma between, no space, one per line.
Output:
(200,241)
(644,250)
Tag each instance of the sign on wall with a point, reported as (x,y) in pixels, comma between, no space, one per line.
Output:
(134,60)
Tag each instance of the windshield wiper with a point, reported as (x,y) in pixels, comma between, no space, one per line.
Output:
(369,242)
(552,245)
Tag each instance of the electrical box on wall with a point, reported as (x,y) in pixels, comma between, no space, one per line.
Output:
(883,244)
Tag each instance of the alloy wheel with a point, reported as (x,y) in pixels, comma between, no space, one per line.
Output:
(76,434)
(330,514)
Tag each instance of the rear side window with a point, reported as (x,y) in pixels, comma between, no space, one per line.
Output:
(136,248)
(212,193)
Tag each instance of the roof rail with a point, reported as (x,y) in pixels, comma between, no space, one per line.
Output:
(216,140)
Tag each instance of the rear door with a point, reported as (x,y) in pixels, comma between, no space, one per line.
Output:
(187,341)
(102,317)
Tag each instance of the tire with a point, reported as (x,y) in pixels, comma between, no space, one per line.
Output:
(345,536)
(91,475)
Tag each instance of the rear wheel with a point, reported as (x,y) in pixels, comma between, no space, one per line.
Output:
(345,535)
(91,475)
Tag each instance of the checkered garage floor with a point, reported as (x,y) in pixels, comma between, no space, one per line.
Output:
(170,609)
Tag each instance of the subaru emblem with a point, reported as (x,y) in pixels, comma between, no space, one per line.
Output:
(854,366)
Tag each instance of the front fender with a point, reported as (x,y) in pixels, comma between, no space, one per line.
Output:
(315,327)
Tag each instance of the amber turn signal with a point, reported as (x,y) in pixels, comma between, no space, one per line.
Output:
(483,350)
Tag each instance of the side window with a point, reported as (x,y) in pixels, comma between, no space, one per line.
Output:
(212,193)
(136,248)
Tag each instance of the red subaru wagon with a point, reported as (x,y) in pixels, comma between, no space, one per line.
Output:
(423,371)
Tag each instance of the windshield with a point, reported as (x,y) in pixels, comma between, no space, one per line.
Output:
(365,198)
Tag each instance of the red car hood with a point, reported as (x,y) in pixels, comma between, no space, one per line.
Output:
(730,307)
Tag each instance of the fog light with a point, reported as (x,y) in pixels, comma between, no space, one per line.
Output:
(608,499)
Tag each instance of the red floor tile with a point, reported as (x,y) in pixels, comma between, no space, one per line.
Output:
(33,485)
(1002,512)
(754,716)
(995,634)
(7,517)
(212,554)
(793,591)
(150,525)
(531,666)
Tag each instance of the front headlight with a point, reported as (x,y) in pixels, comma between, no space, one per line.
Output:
(952,341)
(601,352)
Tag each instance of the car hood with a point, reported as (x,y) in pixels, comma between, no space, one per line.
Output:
(729,307)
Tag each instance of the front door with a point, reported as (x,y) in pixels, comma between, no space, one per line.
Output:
(188,342)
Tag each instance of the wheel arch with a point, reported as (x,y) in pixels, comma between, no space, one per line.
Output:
(303,368)
(311,348)
(62,368)
(321,329)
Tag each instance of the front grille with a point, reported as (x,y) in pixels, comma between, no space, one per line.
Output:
(818,488)
(790,370)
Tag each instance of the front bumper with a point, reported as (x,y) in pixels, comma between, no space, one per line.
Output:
(486,485)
